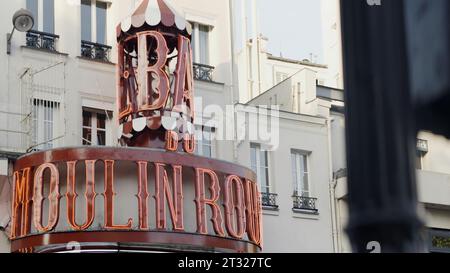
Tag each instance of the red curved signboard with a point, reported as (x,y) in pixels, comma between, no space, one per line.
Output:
(85,184)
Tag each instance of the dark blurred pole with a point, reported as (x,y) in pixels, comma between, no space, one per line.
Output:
(381,137)
(428,37)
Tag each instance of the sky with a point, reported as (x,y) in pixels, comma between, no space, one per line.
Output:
(293,27)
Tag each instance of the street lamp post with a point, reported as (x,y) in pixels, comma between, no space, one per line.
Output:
(23,21)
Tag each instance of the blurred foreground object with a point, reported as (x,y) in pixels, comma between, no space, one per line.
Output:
(396,61)
(428,41)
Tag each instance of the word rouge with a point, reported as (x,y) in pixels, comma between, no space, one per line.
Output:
(241,199)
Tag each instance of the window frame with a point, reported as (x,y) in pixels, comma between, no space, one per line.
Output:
(40,16)
(257,147)
(196,45)
(200,143)
(94,117)
(282,76)
(44,123)
(94,28)
(297,175)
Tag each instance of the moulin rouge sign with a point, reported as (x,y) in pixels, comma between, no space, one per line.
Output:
(165,167)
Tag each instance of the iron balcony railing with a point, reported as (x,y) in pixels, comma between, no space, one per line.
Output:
(203,72)
(305,203)
(41,40)
(269,200)
(94,51)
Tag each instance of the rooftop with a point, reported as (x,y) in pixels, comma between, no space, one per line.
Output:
(304,62)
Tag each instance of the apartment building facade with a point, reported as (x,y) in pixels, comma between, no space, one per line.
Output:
(60,79)
(60,91)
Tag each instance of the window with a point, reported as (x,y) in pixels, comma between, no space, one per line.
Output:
(94,124)
(300,174)
(280,77)
(94,30)
(260,165)
(422,150)
(32,5)
(86,20)
(204,143)
(44,126)
(200,43)
(101,22)
(46,9)
(302,200)
(93,9)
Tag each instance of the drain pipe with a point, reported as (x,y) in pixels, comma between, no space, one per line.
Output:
(234,79)
(332,189)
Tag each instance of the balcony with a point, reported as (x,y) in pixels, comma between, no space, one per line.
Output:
(269,200)
(41,40)
(96,52)
(203,72)
(306,204)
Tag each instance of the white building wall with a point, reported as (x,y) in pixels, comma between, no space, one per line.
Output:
(284,229)
(332,43)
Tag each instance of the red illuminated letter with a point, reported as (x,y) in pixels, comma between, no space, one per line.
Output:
(171,141)
(189,143)
(184,78)
(143,195)
(201,201)
(253,210)
(109,199)
(234,206)
(21,204)
(174,201)
(153,80)
(89,194)
(53,197)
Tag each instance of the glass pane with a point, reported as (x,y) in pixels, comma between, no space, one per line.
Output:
(87,119)
(49,16)
(305,162)
(263,179)
(86,20)
(193,42)
(207,136)
(204,44)
(253,161)
(263,159)
(101,121)
(305,183)
(294,172)
(207,150)
(197,151)
(101,138)
(87,136)
(32,5)
(101,22)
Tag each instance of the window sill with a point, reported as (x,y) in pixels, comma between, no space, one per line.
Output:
(45,50)
(270,208)
(305,214)
(206,81)
(96,60)
(271,211)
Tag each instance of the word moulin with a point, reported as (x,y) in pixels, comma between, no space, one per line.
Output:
(234,201)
